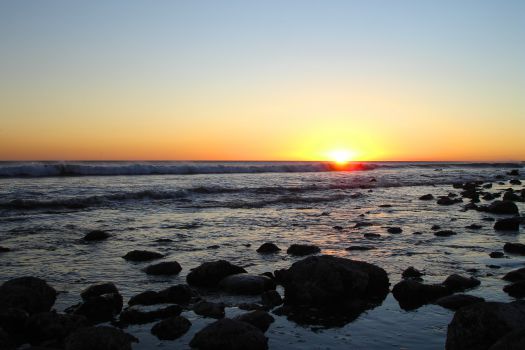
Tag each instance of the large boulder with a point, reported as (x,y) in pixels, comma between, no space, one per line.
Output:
(171,328)
(327,286)
(210,274)
(243,283)
(99,338)
(412,294)
(481,325)
(228,334)
(30,294)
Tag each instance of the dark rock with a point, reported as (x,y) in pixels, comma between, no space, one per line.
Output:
(516,289)
(98,289)
(243,283)
(137,316)
(515,275)
(515,182)
(250,306)
(514,340)
(514,172)
(321,286)
(510,224)
(96,235)
(394,230)
(445,200)
(385,206)
(411,272)
(359,247)
(444,233)
(13,320)
(164,268)
(372,235)
(271,298)
(228,334)
(101,308)
(426,197)
(268,274)
(417,233)
(479,326)
(27,293)
(209,309)
(488,219)
(412,294)
(435,227)
(267,248)
(514,248)
(99,338)
(502,207)
(142,255)
(258,318)
(458,283)
(496,255)
(494,267)
(171,328)
(210,274)
(456,301)
(52,327)
(214,246)
(5,342)
(303,249)
(363,224)
(178,294)
(474,227)
(511,196)
(337,227)
(4,249)
(488,196)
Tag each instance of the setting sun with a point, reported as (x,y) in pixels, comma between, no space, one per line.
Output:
(341,156)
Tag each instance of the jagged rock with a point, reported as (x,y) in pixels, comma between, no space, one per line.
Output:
(210,274)
(243,283)
(303,249)
(99,338)
(142,255)
(171,328)
(267,248)
(228,334)
(456,301)
(27,293)
(164,268)
(258,318)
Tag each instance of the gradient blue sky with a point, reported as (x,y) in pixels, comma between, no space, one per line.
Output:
(262,79)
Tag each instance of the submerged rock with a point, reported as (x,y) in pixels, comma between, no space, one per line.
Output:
(445,200)
(445,233)
(412,294)
(96,235)
(178,294)
(426,197)
(142,255)
(327,289)
(171,328)
(228,334)
(359,247)
(474,227)
(371,235)
(137,316)
(258,318)
(30,294)
(164,268)
(243,283)
(481,325)
(509,224)
(303,249)
(267,248)
(209,309)
(456,301)
(99,338)
(209,274)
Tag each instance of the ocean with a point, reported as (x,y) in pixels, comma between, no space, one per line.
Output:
(195,212)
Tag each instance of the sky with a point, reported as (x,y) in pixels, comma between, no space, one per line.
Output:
(262,80)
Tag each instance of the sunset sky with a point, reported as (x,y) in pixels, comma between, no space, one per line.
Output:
(262,80)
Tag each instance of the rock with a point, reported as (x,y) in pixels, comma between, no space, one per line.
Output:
(209,309)
(363,224)
(13,320)
(515,182)
(267,248)
(30,294)
(445,200)
(474,227)
(137,316)
(417,233)
(514,172)
(258,318)
(243,283)
(338,228)
(426,197)
(164,268)
(456,301)
(511,196)
(496,255)
(515,275)
(479,326)
(4,249)
(372,235)
(178,294)
(516,289)
(96,235)
(303,249)
(271,298)
(142,255)
(98,289)
(52,327)
(210,274)
(171,328)
(412,294)
(514,340)
(359,247)
(435,227)
(394,230)
(411,272)
(445,233)
(458,283)
(228,334)
(99,338)
(514,248)
(101,308)
(326,288)
(5,342)
(510,224)
(502,207)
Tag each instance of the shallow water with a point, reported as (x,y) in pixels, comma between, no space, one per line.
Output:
(42,219)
